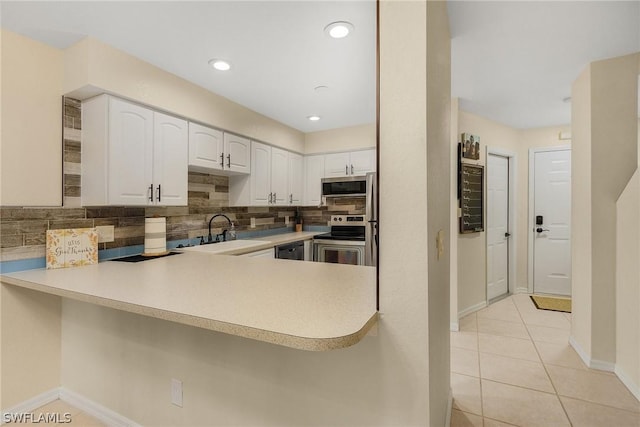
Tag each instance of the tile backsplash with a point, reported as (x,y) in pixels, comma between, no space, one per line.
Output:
(22,230)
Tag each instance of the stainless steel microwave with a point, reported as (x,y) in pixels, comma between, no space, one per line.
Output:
(346,186)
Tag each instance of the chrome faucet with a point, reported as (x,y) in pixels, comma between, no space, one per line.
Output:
(224,232)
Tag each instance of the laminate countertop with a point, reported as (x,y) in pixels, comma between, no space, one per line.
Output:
(304,305)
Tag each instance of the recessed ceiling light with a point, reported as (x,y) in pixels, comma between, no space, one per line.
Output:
(313,118)
(338,30)
(220,65)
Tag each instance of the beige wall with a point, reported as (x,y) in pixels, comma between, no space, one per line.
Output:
(628,286)
(30,341)
(95,67)
(349,138)
(604,116)
(31,117)
(453,222)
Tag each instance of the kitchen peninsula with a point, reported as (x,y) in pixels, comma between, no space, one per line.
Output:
(304,305)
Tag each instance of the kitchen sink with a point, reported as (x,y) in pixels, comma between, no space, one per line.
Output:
(230,245)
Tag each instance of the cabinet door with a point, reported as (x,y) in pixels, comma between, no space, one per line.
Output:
(336,165)
(260,174)
(362,162)
(170,155)
(314,172)
(130,153)
(296,179)
(280,176)
(205,148)
(237,154)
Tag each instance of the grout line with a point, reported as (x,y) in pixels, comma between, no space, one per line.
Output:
(479,370)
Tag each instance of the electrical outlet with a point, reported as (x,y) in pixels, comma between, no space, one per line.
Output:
(253,222)
(176,392)
(286,220)
(105,233)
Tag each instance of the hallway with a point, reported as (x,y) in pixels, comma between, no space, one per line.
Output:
(511,364)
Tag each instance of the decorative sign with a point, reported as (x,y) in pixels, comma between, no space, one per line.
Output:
(72,247)
(470,146)
(471,190)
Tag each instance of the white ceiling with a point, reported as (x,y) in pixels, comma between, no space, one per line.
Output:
(512,62)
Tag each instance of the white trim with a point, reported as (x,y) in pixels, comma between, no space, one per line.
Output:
(522,290)
(102,413)
(32,404)
(602,365)
(588,361)
(513,207)
(447,421)
(472,309)
(583,354)
(531,215)
(454,327)
(628,382)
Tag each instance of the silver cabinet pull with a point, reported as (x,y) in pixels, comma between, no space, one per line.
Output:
(229,161)
(290,199)
(159,193)
(346,169)
(151,192)
(222,160)
(351,169)
(274,198)
(270,198)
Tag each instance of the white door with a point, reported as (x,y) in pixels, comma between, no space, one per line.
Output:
(280,176)
(237,154)
(260,174)
(497,226)
(130,153)
(295,179)
(170,157)
(552,222)
(205,148)
(336,165)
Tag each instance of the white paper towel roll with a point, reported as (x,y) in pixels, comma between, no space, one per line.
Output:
(155,236)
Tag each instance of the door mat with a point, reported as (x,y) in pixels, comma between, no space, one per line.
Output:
(552,303)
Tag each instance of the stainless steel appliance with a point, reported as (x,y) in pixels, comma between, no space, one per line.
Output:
(345,244)
(353,238)
(294,250)
(346,186)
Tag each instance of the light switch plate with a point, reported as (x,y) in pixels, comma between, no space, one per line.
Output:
(176,392)
(106,233)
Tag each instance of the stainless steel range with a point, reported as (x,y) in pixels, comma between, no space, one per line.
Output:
(345,244)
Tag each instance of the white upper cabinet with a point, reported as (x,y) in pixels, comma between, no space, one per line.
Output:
(296,179)
(237,154)
(314,172)
(260,178)
(132,156)
(214,151)
(206,147)
(336,164)
(279,176)
(170,171)
(349,163)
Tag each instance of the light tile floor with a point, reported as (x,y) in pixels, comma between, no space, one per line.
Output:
(512,365)
(78,418)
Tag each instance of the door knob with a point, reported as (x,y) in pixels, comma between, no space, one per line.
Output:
(540,229)
(507,234)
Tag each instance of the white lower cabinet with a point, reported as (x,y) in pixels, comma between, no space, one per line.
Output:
(131,155)
(264,253)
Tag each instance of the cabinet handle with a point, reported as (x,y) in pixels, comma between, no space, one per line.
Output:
(222,159)
(151,192)
(290,199)
(351,169)
(159,193)
(346,169)
(274,198)
(229,160)
(270,197)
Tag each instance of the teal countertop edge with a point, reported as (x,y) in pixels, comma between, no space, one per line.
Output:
(107,254)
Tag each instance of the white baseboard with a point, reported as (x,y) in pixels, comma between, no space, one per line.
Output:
(32,404)
(102,413)
(447,422)
(591,363)
(106,415)
(472,309)
(454,327)
(521,290)
(626,380)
